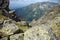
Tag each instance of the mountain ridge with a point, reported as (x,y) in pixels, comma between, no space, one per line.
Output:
(35,3)
(34,11)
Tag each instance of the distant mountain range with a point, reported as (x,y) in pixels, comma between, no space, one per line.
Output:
(55,1)
(14,4)
(34,11)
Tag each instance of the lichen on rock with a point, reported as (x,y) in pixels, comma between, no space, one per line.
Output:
(39,32)
(17,37)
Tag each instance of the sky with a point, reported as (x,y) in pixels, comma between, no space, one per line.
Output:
(56,1)
(21,3)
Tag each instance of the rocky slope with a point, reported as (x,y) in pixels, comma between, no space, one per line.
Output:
(51,19)
(10,28)
(45,28)
(40,32)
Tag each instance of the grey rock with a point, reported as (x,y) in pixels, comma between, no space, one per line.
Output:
(40,32)
(5,38)
(1,23)
(4,3)
(17,37)
(9,27)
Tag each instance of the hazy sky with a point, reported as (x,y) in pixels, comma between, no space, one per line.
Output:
(22,3)
(57,1)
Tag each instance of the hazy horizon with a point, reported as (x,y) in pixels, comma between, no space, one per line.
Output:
(21,3)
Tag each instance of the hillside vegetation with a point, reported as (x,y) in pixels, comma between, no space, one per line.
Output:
(34,11)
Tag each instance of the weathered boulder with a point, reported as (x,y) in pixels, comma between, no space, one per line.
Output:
(17,37)
(5,38)
(40,32)
(1,23)
(9,28)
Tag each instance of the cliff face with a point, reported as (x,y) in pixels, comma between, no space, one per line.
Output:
(51,19)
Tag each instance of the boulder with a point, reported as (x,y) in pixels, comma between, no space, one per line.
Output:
(40,32)
(5,38)
(17,37)
(1,23)
(9,28)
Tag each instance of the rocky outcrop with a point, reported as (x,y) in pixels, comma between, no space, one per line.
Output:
(17,37)
(40,32)
(12,15)
(5,38)
(7,12)
(4,4)
(7,28)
